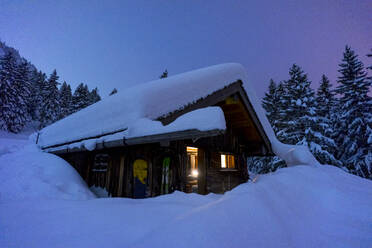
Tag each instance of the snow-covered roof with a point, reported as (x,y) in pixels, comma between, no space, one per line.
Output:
(134,112)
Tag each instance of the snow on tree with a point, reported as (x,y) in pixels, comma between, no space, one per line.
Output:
(65,96)
(269,105)
(273,104)
(36,81)
(50,110)
(81,98)
(114,91)
(299,105)
(355,120)
(94,96)
(325,113)
(297,122)
(164,75)
(8,96)
(22,87)
(27,95)
(262,165)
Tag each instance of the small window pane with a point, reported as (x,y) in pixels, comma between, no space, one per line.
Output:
(227,161)
(223,161)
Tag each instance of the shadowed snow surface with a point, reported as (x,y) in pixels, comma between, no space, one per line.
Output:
(31,174)
(301,206)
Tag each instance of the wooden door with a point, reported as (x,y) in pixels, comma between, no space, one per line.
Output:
(140,171)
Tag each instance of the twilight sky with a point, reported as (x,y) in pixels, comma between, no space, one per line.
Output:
(122,43)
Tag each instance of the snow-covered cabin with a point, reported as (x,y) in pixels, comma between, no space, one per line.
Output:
(190,132)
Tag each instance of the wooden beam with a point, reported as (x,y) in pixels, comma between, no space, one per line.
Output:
(210,100)
(121,175)
(202,168)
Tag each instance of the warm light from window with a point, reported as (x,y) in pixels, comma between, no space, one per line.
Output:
(195,173)
(191,149)
(227,161)
(223,161)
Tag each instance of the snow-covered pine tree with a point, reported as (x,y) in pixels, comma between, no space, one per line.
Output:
(298,102)
(22,86)
(114,91)
(50,110)
(280,107)
(65,96)
(94,96)
(164,75)
(273,104)
(81,97)
(324,126)
(368,159)
(354,123)
(37,84)
(8,95)
(268,103)
(299,125)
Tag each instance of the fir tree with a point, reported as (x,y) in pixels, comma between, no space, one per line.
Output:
(279,116)
(81,98)
(94,96)
(8,96)
(114,91)
(268,103)
(325,112)
(297,120)
(298,102)
(355,122)
(164,75)
(65,96)
(273,104)
(50,110)
(37,84)
(22,88)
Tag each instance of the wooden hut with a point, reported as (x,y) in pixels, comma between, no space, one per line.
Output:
(191,132)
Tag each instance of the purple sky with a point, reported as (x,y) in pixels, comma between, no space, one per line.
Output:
(121,43)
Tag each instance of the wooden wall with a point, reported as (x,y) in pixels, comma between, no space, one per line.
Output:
(119,175)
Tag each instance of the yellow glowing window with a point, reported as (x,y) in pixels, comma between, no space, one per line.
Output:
(192,164)
(191,149)
(227,161)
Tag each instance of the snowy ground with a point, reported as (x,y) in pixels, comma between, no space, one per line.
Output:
(44,203)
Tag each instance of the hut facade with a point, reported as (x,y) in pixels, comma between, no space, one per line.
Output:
(191,132)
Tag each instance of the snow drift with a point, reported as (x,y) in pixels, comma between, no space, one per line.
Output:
(302,206)
(32,174)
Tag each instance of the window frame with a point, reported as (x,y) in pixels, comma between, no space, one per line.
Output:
(226,154)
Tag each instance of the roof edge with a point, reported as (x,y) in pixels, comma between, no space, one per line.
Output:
(156,138)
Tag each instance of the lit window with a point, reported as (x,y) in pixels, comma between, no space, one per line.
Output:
(227,161)
(223,161)
(192,154)
(191,149)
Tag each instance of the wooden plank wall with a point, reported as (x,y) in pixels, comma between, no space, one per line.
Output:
(119,177)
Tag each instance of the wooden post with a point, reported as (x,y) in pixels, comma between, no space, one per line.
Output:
(121,175)
(108,175)
(202,168)
(149,176)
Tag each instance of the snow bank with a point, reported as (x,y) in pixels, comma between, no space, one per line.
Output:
(11,142)
(301,206)
(32,174)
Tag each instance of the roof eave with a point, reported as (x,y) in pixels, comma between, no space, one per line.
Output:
(193,134)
